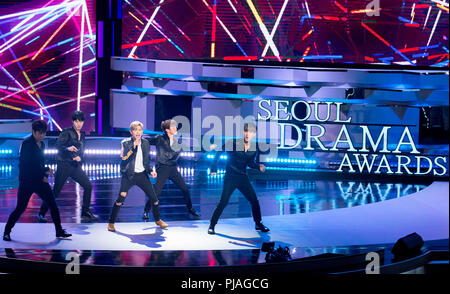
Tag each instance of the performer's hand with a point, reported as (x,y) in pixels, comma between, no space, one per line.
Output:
(212,147)
(45,180)
(212,174)
(137,142)
(153,174)
(77,158)
(72,148)
(49,172)
(262,168)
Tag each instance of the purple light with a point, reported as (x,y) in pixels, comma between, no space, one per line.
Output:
(100,40)
(100,126)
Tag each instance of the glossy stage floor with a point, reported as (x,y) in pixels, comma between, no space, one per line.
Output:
(300,214)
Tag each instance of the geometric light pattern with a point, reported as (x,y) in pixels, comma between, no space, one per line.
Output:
(407,32)
(47,60)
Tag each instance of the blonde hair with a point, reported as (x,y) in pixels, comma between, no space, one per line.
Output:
(135,124)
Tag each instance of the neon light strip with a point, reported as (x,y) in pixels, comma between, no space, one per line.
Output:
(29,42)
(323,57)
(42,105)
(434,27)
(81,60)
(305,53)
(340,6)
(307,34)
(154,41)
(23,89)
(146,28)
(213,34)
(49,78)
(168,39)
(232,6)
(88,21)
(5,47)
(277,22)
(28,18)
(440,2)
(442,7)
(225,29)
(364,11)
(263,29)
(406,20)
(426,19)
(55,33)
(68,101)
(307,8)
(34,11)
(376,35)
(58,14)
(135,17)
(240,58)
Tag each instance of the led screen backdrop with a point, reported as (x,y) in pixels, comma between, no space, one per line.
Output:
(43,72)
(405,32)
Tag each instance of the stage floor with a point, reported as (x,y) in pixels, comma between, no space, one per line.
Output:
(425,212)
(276,197)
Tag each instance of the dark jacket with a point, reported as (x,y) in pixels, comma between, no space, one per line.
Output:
(238,159)
(67,138)
(165,155)
(31,162)
(129,156)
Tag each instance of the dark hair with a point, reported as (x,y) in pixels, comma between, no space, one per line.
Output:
(78,115)
(249,127)
(39,126)
(165,125)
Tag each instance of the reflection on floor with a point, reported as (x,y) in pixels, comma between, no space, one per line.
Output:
(280,197)
(425,212)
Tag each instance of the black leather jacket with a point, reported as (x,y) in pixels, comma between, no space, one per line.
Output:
(31,162)
(238,159)
(165,155)
(129,156)
(67,138)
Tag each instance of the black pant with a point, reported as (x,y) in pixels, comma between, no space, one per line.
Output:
(242,183)
(64,170)
(171,172)
(142,181)
(24,193)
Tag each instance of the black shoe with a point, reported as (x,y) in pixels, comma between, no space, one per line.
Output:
(211,230)
(261,227)
(146,215)
(6,237)
(63,234)
(41,218)
(193,212)
(89,214)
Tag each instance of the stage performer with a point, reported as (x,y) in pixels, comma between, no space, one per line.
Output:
(33,178)
(135,167)
(166,165)
(70,145)
(236,176)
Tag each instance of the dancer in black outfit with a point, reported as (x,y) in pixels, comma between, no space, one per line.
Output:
(33,178)
(166,165)
(236,176)
(70,145)
(135,167)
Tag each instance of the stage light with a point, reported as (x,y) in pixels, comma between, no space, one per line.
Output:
(5,151)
